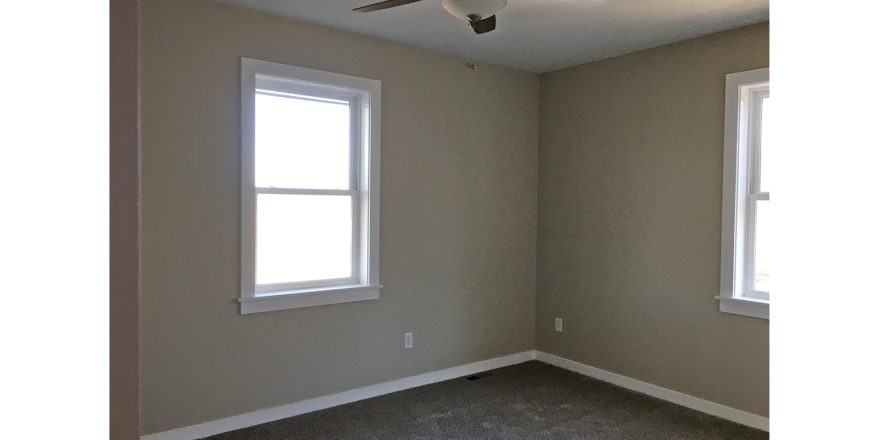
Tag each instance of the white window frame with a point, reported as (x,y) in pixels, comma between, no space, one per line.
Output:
(742,143)
(364,98)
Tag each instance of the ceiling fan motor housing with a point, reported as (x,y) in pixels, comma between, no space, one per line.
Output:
(473,10)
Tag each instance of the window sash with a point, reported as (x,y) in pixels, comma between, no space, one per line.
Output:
(322,93)
(755,99)
(270,288)
(750,273)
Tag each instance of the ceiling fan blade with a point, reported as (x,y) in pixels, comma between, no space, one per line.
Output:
(384,5)
(484,25)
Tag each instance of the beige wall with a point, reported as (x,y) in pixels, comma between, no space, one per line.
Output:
(459,181)
(630,220)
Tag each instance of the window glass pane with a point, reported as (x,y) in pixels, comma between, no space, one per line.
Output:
(303,238)
(301,142)
(766,144)
(763,244)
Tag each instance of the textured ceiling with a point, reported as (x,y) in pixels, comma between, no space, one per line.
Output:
(532,35)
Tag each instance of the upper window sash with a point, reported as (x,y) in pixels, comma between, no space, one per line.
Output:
(281,87)
(755,100)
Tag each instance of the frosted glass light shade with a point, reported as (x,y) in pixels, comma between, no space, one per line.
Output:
(479,9)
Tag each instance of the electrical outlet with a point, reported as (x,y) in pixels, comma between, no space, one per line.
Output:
(407,340)
(558,325)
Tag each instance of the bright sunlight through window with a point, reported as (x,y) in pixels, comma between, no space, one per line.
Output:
(302,143)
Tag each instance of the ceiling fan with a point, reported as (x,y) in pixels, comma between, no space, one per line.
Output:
(480,14)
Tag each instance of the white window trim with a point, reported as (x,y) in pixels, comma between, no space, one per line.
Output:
(742,90)
(365,94)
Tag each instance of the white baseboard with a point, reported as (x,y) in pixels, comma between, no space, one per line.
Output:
(686,400)
(305,406)
(318,403)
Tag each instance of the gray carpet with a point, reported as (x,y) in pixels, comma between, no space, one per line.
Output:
(526,401)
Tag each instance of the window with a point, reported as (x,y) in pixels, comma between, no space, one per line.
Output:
(310,187)
(747,212)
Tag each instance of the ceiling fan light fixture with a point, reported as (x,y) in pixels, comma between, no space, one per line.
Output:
(473,10)
(480,14)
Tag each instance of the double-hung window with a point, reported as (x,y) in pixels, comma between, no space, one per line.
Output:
(747,211)
(309,187)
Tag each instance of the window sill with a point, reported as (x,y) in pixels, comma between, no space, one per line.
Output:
(296,299)
(755,308)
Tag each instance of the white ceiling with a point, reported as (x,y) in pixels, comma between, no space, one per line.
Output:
(532,35)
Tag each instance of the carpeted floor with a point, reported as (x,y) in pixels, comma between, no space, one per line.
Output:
(526,401)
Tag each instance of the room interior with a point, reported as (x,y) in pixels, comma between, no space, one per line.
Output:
(550,231)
